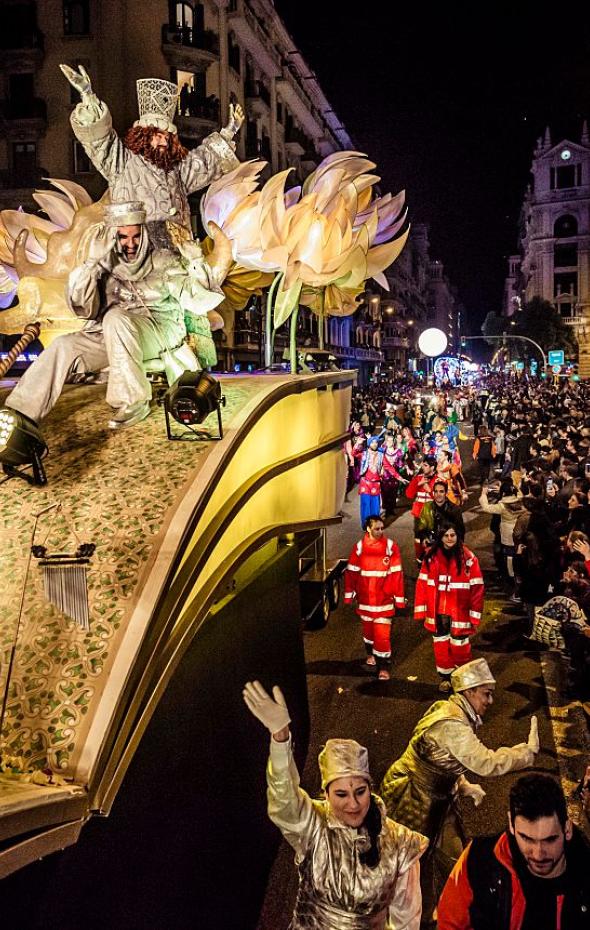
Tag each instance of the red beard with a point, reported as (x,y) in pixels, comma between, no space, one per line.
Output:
(138,140)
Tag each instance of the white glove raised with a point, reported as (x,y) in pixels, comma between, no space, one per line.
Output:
(78,79)
(533,740)
(236,118)
(475,792)
(271,711)
(101,245)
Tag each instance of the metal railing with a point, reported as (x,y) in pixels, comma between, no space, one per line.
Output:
(203,39)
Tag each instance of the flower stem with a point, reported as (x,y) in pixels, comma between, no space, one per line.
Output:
(269,332)
(293,340)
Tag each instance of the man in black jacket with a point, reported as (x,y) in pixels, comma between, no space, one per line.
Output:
(534,876)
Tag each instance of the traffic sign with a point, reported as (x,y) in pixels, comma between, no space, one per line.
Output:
(556,369)
(520,366)
(556,356)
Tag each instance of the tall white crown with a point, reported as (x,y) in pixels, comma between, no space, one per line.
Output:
(157,100)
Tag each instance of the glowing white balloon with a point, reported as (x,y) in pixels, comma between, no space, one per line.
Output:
(432,342)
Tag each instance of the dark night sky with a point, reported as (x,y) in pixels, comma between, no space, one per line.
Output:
(449,99)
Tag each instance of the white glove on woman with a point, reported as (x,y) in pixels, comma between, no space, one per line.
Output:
(272,713)
(533,740)
(475,792)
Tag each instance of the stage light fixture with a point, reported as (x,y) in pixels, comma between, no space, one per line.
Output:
(21,446)
(190,400)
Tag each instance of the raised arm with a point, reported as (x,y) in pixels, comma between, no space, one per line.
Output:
(215,156)
(93,126)
(289,806)
(462,743)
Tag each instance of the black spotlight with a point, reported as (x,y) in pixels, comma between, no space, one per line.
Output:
(21,446)
(190,400)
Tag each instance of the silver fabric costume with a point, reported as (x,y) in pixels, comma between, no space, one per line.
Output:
(419,789)
(131,318)
(336,890)
(131,177)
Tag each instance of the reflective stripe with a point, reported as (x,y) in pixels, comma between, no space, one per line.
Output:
(475,614)
(395,568)
(444,671)
(353,568)
(375,610)
(432,582)
(382,655)
(463,585)
(420,610)
(459,625)
(368,574)
(386,621)
(400,600)
(422,577)
(476,581)
(459,641)
(441,639)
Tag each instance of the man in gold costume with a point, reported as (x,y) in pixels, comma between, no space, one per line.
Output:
(421,787)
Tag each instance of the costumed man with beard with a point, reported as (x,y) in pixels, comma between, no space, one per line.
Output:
(374,577)
(150,164)
(133,298)
(420,789)
(449,600)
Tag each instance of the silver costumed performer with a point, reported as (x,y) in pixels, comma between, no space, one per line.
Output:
(338,888)
(123,291)
(163,187)
(420,788)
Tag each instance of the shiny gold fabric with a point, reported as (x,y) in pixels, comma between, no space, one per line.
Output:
(336,890)
(419,789)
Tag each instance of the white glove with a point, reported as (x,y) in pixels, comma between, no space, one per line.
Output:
(236,118)
(533,740)
(475,792)
(79,79)
(272,713)
(101,246)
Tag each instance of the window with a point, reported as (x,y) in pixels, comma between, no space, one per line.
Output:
(565,282)
(24,161)
(564,176)
(76,17)
(565,255)
(82,164)
(565,226)
(233,53)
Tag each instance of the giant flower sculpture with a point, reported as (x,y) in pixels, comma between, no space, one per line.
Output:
(321,241)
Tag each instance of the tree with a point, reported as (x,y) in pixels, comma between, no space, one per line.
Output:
(539,320)
(493,325)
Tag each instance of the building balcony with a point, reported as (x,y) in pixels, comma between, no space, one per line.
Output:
(24,119)
(188,49)
(300,104)
(22,49)
(199,119)
(257,98)
(253,36)
(259,148)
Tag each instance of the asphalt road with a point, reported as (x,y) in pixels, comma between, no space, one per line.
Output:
(348,702)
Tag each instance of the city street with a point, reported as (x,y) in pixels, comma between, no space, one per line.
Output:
(347,701)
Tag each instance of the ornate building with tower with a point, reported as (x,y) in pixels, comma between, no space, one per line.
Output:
(553,262)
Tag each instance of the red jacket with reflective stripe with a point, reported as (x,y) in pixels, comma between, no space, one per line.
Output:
(375,578)
(419,490)
(442,589)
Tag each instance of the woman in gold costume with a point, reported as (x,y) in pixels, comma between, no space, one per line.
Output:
(358,870)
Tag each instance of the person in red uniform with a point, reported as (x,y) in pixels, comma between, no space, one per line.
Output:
(419,491)
(534,876)
(374,577)
(449,600)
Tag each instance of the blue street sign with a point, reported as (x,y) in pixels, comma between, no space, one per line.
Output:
(520,366)
(556,356)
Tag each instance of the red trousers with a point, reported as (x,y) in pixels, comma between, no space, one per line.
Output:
(449,651)
(377,635)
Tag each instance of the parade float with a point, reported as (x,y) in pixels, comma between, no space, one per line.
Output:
(191,571)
